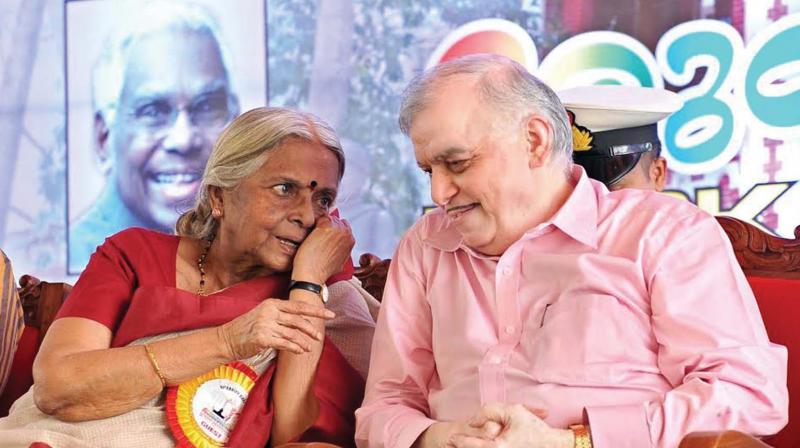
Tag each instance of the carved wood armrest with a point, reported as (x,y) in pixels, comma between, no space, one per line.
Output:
(724,439)
(41,301)
(372,273)
(761,254)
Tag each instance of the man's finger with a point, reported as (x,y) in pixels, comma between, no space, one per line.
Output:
(488,429)
(465,441)
(539,412)
(491,412)
(491,430)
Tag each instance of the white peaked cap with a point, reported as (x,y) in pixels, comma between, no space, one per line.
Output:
(608,107)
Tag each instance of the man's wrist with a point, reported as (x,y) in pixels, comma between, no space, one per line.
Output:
(428,437)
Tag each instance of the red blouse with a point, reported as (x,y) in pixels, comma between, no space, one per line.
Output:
(129,286)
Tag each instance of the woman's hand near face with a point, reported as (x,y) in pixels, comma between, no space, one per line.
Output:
(274,323)
(324,251)
(321,255)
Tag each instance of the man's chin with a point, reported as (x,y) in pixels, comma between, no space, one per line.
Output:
(484,243)
(164,219)
(475,241)
(167,202)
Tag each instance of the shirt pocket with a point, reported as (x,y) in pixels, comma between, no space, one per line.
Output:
(586,339)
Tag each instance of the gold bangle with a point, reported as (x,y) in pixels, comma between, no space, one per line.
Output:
(582,437)
(155,365)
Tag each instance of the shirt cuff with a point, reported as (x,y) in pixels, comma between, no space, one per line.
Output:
(619,426)
(408,428)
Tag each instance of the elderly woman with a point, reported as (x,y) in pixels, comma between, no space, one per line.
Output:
(217,335)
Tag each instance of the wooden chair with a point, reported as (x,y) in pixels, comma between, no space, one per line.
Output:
(772,267)
(725,439)
(760,254)
(372,273)
(40,303)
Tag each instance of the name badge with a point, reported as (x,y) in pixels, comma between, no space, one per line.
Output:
(203,411)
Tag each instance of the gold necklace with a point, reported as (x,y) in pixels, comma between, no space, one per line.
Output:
(201,267)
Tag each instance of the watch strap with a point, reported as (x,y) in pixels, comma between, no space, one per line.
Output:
(308,286)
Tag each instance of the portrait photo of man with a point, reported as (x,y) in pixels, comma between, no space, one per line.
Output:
(163,87)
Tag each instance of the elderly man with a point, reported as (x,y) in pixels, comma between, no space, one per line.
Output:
(615,137)
(534,308)
(161,95)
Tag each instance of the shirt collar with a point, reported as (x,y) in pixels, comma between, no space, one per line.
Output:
(577,218)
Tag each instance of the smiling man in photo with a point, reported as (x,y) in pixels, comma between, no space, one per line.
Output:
(161,94)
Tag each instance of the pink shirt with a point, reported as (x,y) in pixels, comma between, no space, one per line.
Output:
(628,306)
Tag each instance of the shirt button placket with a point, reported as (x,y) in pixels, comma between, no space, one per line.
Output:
(506,291)
(506,294)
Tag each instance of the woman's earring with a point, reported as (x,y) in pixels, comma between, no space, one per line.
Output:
(216,213)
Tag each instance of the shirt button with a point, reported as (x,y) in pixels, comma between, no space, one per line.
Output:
(496,360)
(510,329)
(506,271)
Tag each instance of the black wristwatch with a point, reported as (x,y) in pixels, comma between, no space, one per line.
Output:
(320,290)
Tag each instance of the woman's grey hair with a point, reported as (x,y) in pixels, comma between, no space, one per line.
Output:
(242,148)
(108,75)
(502,83)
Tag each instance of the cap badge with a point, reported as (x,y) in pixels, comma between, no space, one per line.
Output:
(581,136)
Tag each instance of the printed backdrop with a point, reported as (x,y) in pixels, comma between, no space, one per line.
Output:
(733,149)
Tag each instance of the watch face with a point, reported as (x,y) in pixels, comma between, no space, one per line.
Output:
(324,293)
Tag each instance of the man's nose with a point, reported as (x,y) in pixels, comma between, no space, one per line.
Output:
(442,188)
(182,136)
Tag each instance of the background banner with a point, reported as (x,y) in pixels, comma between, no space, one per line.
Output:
(93,138)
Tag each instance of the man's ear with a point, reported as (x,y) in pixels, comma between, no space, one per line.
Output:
(658,173)
(539,135)
(101,142)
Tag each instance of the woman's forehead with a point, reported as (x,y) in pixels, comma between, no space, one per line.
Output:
(302,161)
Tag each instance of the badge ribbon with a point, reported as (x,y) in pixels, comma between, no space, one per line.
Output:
(203,411)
